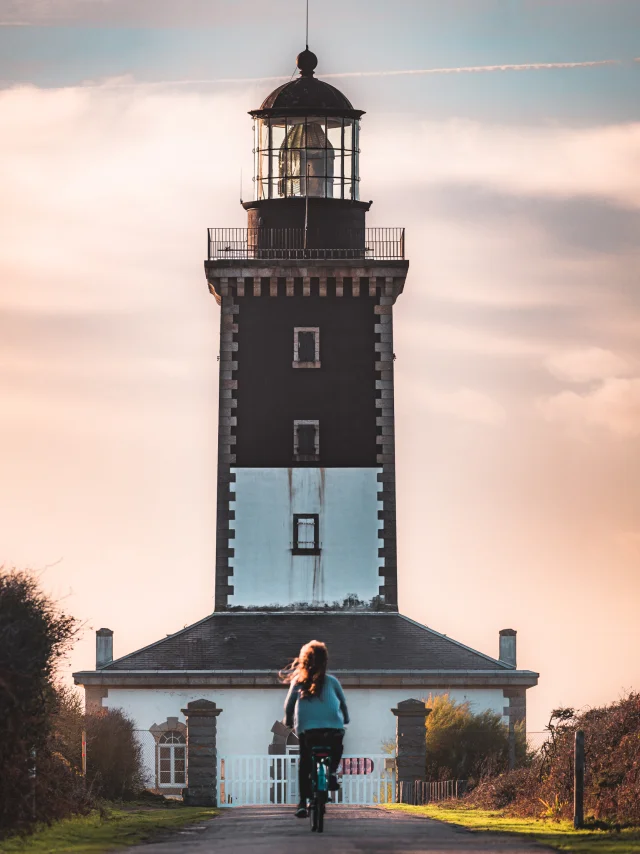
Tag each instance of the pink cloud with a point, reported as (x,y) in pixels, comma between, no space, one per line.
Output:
(466,404)
(614,405)
(584,365)
(108,361)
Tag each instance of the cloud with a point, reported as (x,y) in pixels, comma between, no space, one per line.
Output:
(595,225)
(109,348)
(466,404)
(614,405)
(107,195)
(463,337)
(552,162)
(591,363)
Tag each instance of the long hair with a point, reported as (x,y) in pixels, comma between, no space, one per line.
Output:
(308,669)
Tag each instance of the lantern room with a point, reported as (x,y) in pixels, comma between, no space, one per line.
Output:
(306,175)
(306,140)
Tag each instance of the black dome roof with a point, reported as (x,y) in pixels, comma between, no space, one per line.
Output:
(307,94)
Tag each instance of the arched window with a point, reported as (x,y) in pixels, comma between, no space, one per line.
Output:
(293,744)
(172,759)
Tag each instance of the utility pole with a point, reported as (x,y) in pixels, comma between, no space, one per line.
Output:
(512,744)
(578,781)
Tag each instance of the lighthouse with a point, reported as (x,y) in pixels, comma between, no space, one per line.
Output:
(306,460)
(306,496)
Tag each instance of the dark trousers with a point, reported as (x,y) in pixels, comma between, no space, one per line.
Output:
(331,738)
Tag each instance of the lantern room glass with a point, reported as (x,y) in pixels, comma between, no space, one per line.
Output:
(314,156)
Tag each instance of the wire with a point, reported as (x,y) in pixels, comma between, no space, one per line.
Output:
(307,31)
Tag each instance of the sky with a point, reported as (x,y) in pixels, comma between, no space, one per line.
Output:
(510,152)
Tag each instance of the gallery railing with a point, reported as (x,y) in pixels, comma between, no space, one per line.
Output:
(238,244)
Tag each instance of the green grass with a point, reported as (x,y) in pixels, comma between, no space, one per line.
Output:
(555,834)
(118,827)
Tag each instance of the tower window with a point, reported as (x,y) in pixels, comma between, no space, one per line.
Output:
(306,441)
(306,534)
(306,347)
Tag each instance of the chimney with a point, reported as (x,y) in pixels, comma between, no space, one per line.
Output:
(104,647)
(508,646)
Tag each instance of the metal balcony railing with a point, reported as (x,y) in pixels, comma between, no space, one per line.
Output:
(239,244)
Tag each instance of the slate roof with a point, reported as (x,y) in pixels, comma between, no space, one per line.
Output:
(268,641)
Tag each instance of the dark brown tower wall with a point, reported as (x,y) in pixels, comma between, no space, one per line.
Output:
(271,394)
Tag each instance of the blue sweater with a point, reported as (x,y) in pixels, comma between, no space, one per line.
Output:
(326,711)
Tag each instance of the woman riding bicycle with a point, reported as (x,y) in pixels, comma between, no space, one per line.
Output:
(317,710)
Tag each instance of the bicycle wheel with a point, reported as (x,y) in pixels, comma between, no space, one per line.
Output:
(313,815)
(320,824)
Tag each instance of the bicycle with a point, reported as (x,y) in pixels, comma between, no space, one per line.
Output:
(320,773)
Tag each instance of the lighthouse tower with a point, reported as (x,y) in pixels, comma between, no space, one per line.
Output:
(306,463)
(306,513)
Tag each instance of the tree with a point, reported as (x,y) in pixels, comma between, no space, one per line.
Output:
(42,721)
(466,746)
(34,635)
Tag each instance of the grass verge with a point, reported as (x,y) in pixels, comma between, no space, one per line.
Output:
(117,827)
(559,835)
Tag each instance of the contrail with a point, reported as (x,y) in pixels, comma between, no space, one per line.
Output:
(465,69)
(475,69)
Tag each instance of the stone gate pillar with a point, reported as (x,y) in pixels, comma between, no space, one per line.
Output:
(202,755)
(411,741)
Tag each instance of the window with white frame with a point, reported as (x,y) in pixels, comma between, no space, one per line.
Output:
(306,347)
(306,534)
(172,759)
(306,441)
(293,744)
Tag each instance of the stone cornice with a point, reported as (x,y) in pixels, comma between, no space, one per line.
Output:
(329,267)
(240,278)
(269,679)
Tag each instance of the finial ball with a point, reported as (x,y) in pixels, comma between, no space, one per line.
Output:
(306,62)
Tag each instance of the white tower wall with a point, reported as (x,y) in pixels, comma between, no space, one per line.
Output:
(266,572)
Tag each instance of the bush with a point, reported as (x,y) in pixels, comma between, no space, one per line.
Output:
(466,746)
(114,755)
(612,776)
(503,790)
(41,737)
(34,635)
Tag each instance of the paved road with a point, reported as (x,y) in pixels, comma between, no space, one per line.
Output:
(275,830)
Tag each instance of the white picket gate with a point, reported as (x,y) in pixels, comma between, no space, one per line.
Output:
(261,779)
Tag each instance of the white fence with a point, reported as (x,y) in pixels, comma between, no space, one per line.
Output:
(259,779)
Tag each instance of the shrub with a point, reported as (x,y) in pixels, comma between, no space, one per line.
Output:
(503,790)
(34,635)
(612,776)
(114,756)
(466,746)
